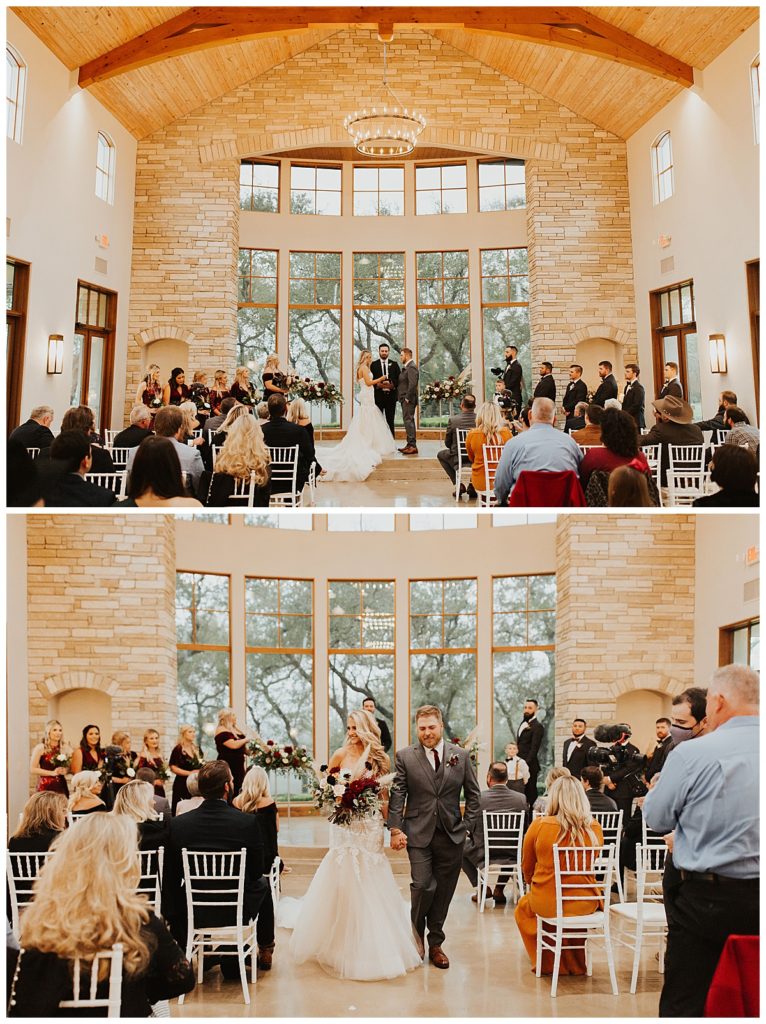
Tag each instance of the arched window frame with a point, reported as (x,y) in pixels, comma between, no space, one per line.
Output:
(662,169)
(755,96)
(16,91)
(105,165)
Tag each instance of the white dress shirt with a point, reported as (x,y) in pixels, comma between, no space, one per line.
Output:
(517,769)
(430,753)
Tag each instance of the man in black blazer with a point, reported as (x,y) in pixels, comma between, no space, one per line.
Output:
(608,386)
(448,456)
(528,740)
(368,704)
(634,397)
(386,397)
(513,375)
(664,746)
(62,477)
(219,828)
(672,385)
(592,779)
(497,797)
(279,433)
(576,392)
(574,756)
(36,432)
(546,386)
(140,427)
(620,778)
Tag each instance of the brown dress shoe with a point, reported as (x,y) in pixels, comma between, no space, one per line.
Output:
(438,957)
(403,449)
(265,956)
(410,451)
(499,896)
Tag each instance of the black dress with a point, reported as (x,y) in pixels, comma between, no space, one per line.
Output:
(234,758)
(222,485)
(38,842)
(42,980)
(267,822)
(180,759)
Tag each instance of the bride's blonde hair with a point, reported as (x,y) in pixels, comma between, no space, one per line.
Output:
(364,360)
(369,733)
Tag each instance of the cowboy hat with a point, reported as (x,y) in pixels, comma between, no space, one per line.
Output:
(676,409)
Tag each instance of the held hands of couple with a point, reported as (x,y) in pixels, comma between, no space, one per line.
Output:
(398,839)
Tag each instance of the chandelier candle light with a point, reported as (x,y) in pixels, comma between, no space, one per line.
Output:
(385,130)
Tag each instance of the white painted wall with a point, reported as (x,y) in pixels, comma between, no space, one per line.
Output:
(712,218)
(55,216)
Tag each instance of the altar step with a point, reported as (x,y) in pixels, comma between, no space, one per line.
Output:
(405,468)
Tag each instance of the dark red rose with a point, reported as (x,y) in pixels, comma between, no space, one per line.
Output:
(269,743)
(288,750)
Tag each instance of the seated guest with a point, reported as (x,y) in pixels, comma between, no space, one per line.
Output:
(176,390)
(218,395)
(169,422)
(278,433)
(80,417)
(619,447)
(735,470)
(629,489)
(577,420)
(42,821)
(740,431)
(298,412)
(214,423)
(136,800)
(612,403)
(64,484)
(255,798)
(541,448)
(192,423)
(217,827)
(155,477)
(36,432)
(496,797)
(674,426)
(540,805)
(235,412)
(262,412)
(86,902)
(590,434)
(465,420)
(84,797)
(569,822)
(23,488)
(244,453)
(725,400)
(592,779)
(140,427)
(161,802)
(490,428)
(517,769)
(193,800)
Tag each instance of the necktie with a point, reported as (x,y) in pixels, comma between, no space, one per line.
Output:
(437,762)
(385,369)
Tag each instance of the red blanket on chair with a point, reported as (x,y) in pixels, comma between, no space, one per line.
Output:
(538,489)
(734,990)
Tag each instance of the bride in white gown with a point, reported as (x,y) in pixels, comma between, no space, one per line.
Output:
(367,439)
(353,919)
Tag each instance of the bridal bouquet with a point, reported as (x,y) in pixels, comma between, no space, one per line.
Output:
(318,391)
(274,758)
(61,761)
(352,796)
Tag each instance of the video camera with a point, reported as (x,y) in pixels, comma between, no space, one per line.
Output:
(609,758)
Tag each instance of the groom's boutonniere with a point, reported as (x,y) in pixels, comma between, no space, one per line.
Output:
(453,761)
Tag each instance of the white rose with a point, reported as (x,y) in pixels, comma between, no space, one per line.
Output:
(339,790)
(130,773)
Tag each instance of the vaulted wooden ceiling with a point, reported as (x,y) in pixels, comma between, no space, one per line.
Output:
(618,97)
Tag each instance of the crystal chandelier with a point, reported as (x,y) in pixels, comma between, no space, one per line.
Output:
(386,129)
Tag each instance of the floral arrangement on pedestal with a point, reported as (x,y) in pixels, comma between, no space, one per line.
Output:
(350,796)
(472,744)
(448,390)
(288,758)
(322,392)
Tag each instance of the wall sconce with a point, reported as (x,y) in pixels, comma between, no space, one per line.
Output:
(55,353)
(717,344)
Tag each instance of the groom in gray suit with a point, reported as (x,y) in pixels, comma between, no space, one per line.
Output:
(407,393)
(424,817)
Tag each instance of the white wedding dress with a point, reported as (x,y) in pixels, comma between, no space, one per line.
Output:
(353,919)
(367,440)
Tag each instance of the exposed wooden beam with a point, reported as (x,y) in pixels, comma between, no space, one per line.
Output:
(199,28)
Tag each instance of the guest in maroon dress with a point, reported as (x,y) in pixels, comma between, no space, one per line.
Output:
(150,757)
(150,389)
(185,758)
(230,743)
(124,764)
(51,776)
(175,390)
(88,757)
(218,392)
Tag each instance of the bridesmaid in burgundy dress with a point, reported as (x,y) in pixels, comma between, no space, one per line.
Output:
(150,757)
(52,776)
(176,391)
(185,759)
(218,392)
(230,743)
(88,757)
(242,389)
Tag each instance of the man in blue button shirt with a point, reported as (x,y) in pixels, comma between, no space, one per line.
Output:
(542,447)
(708,793)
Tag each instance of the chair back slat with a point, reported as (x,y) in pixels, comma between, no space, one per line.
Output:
(650,869)
(503,834)
(244,490)
(284,469)
(111,481)
(492,453)
(112,1001)
(22,870)
(583,874)
(689,458)
(274,881)
(33,452)
(151,875)
(120,457)
(686,486)
(651,838)
(611,826)
(214,880)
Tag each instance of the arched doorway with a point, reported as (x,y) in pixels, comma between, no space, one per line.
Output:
(590,352)
(641,709)
(79,707)
(168,353)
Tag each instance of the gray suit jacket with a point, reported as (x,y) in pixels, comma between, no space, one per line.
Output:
(496,798)
(408,384)
(422,798)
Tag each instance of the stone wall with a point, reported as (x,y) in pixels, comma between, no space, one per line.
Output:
(625,611)
(101,614)
(187,211)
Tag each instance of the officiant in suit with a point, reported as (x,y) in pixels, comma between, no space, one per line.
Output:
(574,756)
(424,817)
(528,740)
(386,396)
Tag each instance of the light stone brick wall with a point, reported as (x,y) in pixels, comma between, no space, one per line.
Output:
(101,614)
(187,210)
(625,611)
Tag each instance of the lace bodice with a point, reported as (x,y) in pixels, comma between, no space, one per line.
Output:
(366,393)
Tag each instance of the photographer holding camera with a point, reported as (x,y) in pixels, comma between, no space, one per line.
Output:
(621,763)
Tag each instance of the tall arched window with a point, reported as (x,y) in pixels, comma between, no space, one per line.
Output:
(105,168)
(15,90)
(755,92)
(662,168)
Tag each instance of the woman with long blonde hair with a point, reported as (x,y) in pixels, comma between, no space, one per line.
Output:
(151,757)
(557,772)
(42,820)
(218,392)
(230,742)
(298,412)
(136,800)
(84,797)
(569,822)
(271,370)
(362,736)
(50,759)
(243,389)
(245,453)
(86,902)
(149,391)
(255,798)
(185,759)
(490,428)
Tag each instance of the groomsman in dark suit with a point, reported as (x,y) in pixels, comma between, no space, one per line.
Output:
(385,395)
(575,753)
(634,396)
(664,746)
(608,386)
(672,385)
(546,386)
(368,705)
(528,740)
(513,375)
(577,391)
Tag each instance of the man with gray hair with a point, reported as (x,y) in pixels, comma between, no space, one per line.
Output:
(140,427)
(542,448)
(169,422)
(708,793)
(36,432)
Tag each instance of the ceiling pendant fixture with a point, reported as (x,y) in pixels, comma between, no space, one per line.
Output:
(385,130)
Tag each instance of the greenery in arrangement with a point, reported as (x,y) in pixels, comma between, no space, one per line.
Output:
(287,758)
(319,391)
